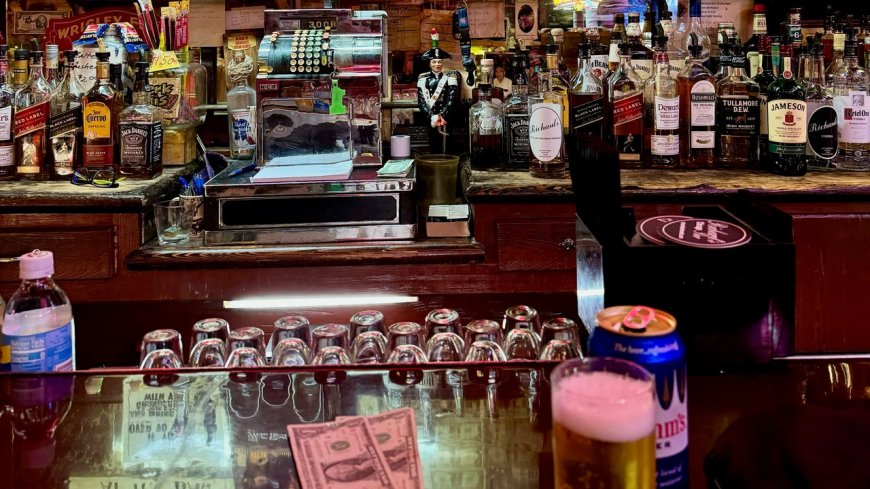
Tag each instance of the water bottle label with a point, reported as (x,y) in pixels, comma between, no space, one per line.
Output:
(50,351)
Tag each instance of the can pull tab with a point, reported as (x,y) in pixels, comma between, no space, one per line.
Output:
(638,318)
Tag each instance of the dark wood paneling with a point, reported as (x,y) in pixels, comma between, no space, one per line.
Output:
(536,245)
(79,254)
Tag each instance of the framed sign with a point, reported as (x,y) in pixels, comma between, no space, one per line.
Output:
(526,20)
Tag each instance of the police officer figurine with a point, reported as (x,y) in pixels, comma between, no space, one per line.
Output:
(437,94)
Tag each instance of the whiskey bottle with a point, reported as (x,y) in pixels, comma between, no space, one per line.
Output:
(796,37)
(116,78)
(647,31)
(141,129)
(598,54)
(101,107)
(641,56)
(586,98)
(787,121)
(698,110)
(558,84)
(822,134)
(724,61)
(242,107)
(625,100)
(696,27)
(676,55)
(20,68)
(617,37)
(485,129)
(764,80)
(52,75)
(853,112)
(737,113)
(32,110)
(828,38)
(7,101)
(65,124)
(545,131)
(751,47)
(516,118)
(662,112)
(838,61)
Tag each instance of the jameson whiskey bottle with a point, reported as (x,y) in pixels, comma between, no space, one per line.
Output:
(698,110)
(822,122)
(65,125)
(32,110)
(100,110)
(662,112)
(141,132)
(7,101)
(516,118)
(545,131)
(787,121)
(625,99)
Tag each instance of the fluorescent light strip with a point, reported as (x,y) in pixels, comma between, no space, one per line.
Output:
(302,301)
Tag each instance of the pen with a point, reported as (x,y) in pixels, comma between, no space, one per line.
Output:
(244,169)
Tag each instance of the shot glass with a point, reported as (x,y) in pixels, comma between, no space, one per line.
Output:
(369,347)
(561,328)
(162,358)
(522,344)
(521,317)
(445,347)
(293,326)
(210,352)
(331,355)
(290,352)
(172,222)
(210,328)
(406,333)
(483,330)
(366,321)
(407,354)
(442,321)
(245,357)
(485,351)
(559,350)
(329,335)
(161,339)
(249,337)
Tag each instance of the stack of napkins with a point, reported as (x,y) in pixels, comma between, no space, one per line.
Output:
(291,169)
(396,168)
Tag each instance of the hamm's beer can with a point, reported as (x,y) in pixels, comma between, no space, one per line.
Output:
(649,338)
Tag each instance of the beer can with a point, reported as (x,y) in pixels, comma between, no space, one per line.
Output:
(649,338)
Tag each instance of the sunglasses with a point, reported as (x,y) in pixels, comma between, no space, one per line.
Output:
(103,178)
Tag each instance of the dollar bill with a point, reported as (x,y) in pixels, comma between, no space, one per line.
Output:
(396,434)
(340,455)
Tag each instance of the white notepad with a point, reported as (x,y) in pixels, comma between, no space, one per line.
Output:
(303,173)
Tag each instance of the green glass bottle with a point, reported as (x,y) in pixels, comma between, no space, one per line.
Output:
(787,121)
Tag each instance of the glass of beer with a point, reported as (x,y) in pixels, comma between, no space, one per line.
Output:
(603,424)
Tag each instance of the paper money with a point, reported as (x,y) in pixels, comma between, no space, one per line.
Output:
(341,455)
(396,434)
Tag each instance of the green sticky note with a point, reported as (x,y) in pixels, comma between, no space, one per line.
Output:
(336,107)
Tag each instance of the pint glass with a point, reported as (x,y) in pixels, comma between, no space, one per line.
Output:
(603,425)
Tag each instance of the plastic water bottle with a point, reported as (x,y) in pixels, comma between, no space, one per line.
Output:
(38,327)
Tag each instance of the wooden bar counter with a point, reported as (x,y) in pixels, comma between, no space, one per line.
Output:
(523,246)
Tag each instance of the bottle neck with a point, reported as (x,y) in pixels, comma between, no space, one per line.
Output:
(103,73)
(36,70)
(695,9)
(141,95)
(543,82)
(4,71)
(661,58)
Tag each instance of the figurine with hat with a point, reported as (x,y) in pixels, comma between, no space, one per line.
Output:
(437,94)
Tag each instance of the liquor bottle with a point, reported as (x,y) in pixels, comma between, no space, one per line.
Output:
(65,124)
(794,31)
(116,78)
(598,54)
(32,110)
(20,68)
(661,133)
(52,75)
(545,131)
(853,112)
(101,107)
(864,41)
(724,62)
(828,38)
(558,36)
(646,35)
(141,130)
(586,97)
(625,100)
(838,60)
(7,102)
(822,137)
(696,27)
(617,37)
(485,127)
(805,63)
(698,111)
(776,55)
(242,107)
(676,55)
(38,324)
(738,114)
(641,56)
(787,121)
(559,84)
(759,28)
(516,118)
(764,80)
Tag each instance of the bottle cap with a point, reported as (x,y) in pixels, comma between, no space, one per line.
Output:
(103,56)
(51,51)
(21,54)
(619,18)
(36,264)
(758,8)
(70,55)
(35,55)
(660,41)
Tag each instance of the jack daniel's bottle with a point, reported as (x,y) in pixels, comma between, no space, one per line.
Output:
(141,132)
(516,116)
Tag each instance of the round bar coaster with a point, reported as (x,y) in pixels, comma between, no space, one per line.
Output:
(705,233)
(651,227)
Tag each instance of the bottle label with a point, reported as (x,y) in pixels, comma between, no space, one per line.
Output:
(613,56)
(5,125)
(667,112)
(62,130)
(839,41)
(643,67)
(26,121)
(545,131)
(166,95)
(754,63)
(50,351)
(822,132)
(787,121)
(589,113)
(141,144)
(853,117)
(600,66)
(762,119)
(668,144)
(244,125)
(703,139)
(518,138)
(759,24)
(628,110)
(703,100)
(675,66)
(97,120)
(738,115)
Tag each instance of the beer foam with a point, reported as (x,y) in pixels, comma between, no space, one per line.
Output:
(588,404)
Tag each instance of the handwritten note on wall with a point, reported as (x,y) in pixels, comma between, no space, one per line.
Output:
(486,19)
